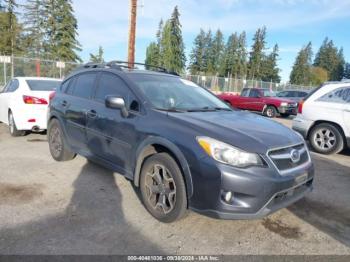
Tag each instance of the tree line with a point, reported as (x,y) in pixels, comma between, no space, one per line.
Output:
(328,64)
(211,55)
(45,29)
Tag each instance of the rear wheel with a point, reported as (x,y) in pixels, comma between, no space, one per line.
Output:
(270,111)
(326,139)
(162,188)
(13,128)
(57,144)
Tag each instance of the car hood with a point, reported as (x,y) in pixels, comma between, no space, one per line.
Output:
(248,131)
(281,99)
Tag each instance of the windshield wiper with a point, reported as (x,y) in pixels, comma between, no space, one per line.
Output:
(208,109)
(170,110)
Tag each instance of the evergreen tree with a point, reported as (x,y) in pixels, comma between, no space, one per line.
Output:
(270,71)
(301,72)
(257,54)
(11,28)
(62,31)
(196,65)
(242,56)
(347,71)
(208,40)
(152,55)
(215,53)
(159,41)
(97,58)
(172,46)
(331,59)
(231,57)
(34,21)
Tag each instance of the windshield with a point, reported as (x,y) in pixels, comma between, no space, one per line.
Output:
(173,93)
(43,85)
(269,93)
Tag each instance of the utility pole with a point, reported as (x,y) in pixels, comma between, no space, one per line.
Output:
(132,33)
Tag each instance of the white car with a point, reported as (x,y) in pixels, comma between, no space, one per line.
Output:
(24,103)
(324,117)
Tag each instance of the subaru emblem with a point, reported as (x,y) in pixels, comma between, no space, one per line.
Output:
(295,156)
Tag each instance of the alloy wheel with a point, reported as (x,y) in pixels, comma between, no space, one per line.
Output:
(160,189)
(55,141)
(325,139)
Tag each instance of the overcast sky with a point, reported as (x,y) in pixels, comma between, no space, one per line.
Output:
(290,23)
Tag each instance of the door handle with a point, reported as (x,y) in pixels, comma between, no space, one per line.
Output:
(64,103)
(346,110)
(91,113)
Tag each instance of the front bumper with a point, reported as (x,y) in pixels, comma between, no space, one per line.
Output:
(257,192)
(302,125)
(287,110)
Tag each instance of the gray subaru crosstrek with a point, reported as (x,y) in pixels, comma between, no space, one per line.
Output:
(178,143)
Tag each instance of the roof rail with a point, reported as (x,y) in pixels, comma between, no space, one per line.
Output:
(119,65)
(125,64)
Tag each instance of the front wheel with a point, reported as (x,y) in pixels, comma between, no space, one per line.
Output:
(57,144)
(326,139)
(162,188)
(270,111)
(13,128)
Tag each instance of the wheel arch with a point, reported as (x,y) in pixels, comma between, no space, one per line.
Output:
(318,122)
(154,145)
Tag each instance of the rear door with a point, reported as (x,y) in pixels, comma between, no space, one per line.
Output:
(5,99)
(111,136)
(3,103)
(243,100)
(76,104)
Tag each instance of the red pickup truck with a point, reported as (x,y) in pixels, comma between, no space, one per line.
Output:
(261,100)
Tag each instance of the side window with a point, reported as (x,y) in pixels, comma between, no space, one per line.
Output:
(254,93)
(111,84)
(84,85)
(65,85)
(245,92)
(282,94)
(302,94)
(6,87)
(340,95)
(13,86)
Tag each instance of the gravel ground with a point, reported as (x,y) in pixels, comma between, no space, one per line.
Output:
(76,207)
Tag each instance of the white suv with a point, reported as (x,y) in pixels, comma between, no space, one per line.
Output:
(324,117)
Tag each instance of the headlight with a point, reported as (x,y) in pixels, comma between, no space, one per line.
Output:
(228,154)
(284,104)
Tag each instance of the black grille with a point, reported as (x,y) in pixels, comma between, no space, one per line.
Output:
(282,157)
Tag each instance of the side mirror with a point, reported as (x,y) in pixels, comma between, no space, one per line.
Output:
(116,102)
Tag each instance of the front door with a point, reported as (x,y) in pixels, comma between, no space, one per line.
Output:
(111,136)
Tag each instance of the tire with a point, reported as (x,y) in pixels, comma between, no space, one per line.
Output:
(326,139)
(13,128)
(270,111)
(57,143)
(170,187)
(285,115)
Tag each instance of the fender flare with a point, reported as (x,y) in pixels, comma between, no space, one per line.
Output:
(141,154)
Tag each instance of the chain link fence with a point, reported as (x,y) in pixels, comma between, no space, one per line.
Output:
(22,66)
(234,85)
